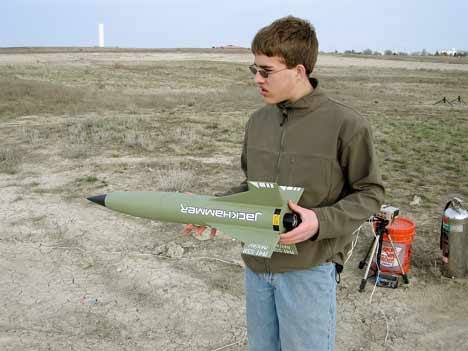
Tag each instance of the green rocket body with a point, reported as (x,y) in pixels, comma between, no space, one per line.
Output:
(255,217)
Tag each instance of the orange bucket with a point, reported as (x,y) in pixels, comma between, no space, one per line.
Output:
(402,232)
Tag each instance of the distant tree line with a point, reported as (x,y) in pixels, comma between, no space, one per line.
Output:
(423,52)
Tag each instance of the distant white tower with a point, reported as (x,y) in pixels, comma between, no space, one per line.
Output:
(101,35)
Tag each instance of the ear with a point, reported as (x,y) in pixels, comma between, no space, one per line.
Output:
(301,70)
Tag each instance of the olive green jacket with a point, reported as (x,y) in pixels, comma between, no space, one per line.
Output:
(326,148)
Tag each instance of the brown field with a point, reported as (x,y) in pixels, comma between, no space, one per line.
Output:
(78,277)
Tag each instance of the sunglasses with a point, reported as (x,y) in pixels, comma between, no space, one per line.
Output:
(265,74)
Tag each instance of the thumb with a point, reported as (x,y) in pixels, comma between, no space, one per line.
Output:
(295,207)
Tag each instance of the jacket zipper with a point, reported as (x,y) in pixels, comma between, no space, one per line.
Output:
(284,113)
(283,124)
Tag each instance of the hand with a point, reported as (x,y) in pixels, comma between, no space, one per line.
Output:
(198,230)
(307,229)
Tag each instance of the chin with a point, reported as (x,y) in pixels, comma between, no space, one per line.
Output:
(270,100)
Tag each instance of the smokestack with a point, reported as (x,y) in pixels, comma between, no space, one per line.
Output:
(101,35)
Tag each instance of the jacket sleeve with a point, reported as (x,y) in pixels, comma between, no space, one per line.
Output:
(364,192)
(243,186)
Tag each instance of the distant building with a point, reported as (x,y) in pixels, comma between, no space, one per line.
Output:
(228,47)
(101,35)
(452,52)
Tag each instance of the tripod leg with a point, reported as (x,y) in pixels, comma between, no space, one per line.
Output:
(379,250)
(363,262)
(403,274)
(366,274)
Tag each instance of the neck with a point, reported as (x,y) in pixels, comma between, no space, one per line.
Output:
(302,89)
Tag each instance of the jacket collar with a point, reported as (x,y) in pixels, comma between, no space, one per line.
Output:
(308,102)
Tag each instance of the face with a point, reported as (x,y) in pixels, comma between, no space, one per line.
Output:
(280,83)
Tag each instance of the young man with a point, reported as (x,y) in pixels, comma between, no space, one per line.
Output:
(303,138)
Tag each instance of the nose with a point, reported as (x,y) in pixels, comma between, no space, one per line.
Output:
(259,79)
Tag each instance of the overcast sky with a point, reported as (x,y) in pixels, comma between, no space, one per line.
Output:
(401,25)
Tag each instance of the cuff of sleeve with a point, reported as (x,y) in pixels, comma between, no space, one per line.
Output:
(324,224)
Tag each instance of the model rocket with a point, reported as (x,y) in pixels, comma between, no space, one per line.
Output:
(256,217)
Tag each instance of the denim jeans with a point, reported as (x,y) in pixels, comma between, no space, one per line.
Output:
(292,311)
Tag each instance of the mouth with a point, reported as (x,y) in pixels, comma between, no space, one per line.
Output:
(262,91)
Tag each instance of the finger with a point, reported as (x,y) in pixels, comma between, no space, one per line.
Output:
(291,233)
(199,230)
(290,237)
(294,236)
(213,232)
(288,241)
(292,242)
(293,239)
(187,229)
(295,207)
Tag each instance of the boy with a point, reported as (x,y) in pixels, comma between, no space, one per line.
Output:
(303,138)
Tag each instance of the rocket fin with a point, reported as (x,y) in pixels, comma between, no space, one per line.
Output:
(264,194)
(259,193)
(292,193)
(258,242)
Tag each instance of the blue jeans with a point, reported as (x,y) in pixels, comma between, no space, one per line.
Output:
(292,311)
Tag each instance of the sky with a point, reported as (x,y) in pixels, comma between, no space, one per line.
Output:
(398,25)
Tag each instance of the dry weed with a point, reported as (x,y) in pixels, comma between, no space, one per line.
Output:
(10,160)
(173,179)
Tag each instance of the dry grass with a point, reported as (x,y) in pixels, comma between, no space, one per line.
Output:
(419,142)
(164,87)
(165,110)
(173,179)
(10,160)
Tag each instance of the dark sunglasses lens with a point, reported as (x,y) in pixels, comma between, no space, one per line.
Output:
(254,71)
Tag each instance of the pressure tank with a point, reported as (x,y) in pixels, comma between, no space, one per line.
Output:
(454,238)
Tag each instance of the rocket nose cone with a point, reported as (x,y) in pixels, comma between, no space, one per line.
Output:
(99,199)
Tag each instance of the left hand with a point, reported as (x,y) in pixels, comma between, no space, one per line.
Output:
(307,229)
(198,230)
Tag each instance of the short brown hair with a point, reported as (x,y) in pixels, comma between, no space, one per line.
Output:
(291,38)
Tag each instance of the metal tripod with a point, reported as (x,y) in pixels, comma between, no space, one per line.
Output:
(444,100)
(375,249)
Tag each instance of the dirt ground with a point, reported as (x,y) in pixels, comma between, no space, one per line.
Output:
(75,276)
